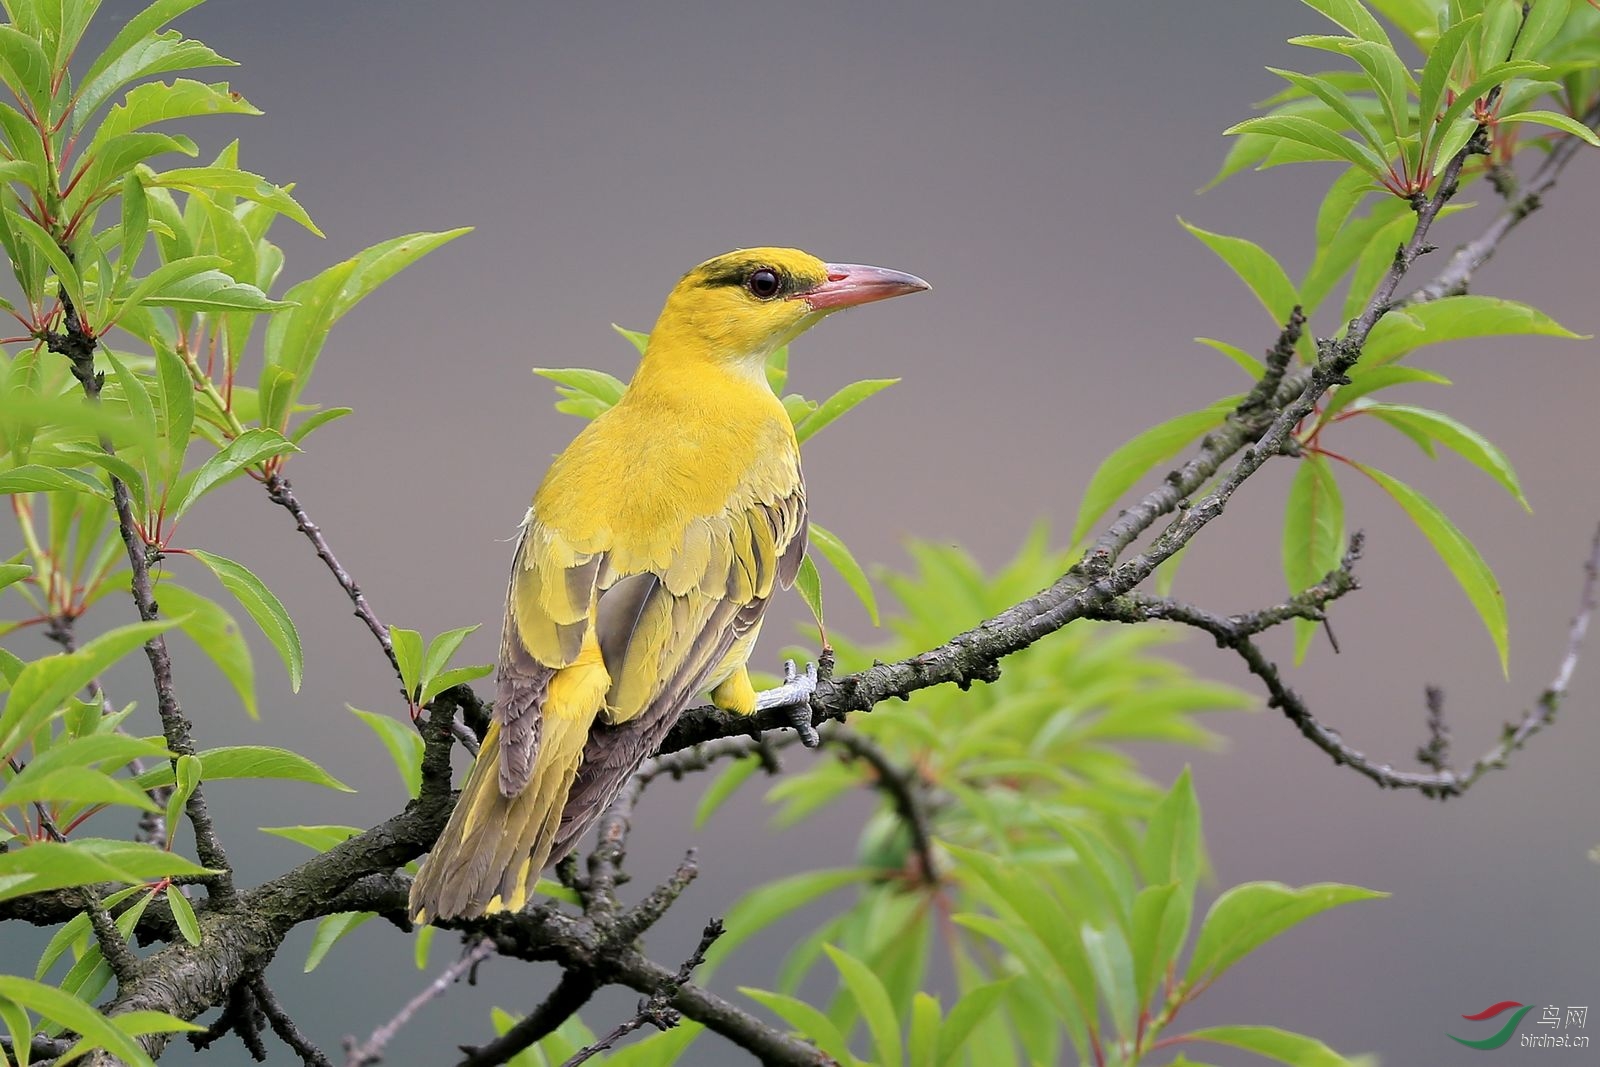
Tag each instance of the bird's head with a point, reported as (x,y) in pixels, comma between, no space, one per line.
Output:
(740,306)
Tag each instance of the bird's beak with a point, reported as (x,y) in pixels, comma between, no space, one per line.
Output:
(850,284)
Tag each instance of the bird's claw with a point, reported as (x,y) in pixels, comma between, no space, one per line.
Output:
(794,695)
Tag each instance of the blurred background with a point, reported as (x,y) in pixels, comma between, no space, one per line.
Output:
(1029,160)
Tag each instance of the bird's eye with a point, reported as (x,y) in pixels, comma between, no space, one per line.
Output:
(764,283)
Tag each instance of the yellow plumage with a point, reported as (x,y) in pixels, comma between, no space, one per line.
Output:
(644,566)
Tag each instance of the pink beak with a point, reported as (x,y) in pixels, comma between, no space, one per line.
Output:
(850,284)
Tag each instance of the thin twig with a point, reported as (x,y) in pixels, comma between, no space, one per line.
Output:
(372,1051)
(280,493)
(904,788)
(570,994)
(310,1055)
(656,1009)
(1443,782)
(1457,274)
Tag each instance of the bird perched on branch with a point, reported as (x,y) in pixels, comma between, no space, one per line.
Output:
(643,569)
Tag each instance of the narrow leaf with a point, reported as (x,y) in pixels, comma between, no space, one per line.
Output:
(834,551)
(1459,554)
(262,606)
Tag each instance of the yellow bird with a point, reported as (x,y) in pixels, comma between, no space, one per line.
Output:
(643,569)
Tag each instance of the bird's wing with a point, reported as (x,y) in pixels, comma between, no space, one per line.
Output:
(548,610)
(662,633)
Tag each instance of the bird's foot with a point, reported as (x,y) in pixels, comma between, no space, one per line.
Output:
(794,695)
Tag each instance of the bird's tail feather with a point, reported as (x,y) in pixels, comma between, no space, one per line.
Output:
(490,854)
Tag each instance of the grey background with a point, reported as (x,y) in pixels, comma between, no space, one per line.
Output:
(1027,159)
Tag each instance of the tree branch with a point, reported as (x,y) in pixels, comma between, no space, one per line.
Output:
(280,493)
(1457,275)
(1442,782)
(78,345)
(570,994)
(904,788)
(372,1050)
(655,1010)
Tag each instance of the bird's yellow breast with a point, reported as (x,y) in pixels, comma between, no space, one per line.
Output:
(684,444)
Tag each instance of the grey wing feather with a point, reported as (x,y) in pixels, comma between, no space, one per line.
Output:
(614,752)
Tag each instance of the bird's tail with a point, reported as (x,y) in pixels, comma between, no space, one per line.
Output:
(490,854)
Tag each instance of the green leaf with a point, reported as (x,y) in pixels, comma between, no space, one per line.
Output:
(153,102)
(639,341)
(837,404)
(47,865)
(1313,535)
(1436,76)
(382,261)
(1246,362)
(73,1014)
(1296,1050)
(177,407)
(186,779)
(454,676)
(872,1000)
(1352,16)
(1459,554)
(1170,850)
(216,632)
(168,274)
(320,838)
(407,646)
(808,583)
(1452,318)
(1322,142)
(922,1041)
(974,1007)
(1256,268)
(138,51)
(1111,960)
(807,1021)
(1160,924)
(46,683)
(404,745)
(246,450)
(44,244)
(766,904)
(1338,101)
(1247,916)
(32,478)
(580,381)
(1461,439)
(267,611)
(1477,90)
(1366,380)
(25,69)
(183,915)
(212,290)
(330,930)
(1119,471)
(441,650)
(210,180)
(251,761)
(316,421)
(13,572)
(723,786)
(73,785)
(834,551)
(1556,121)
